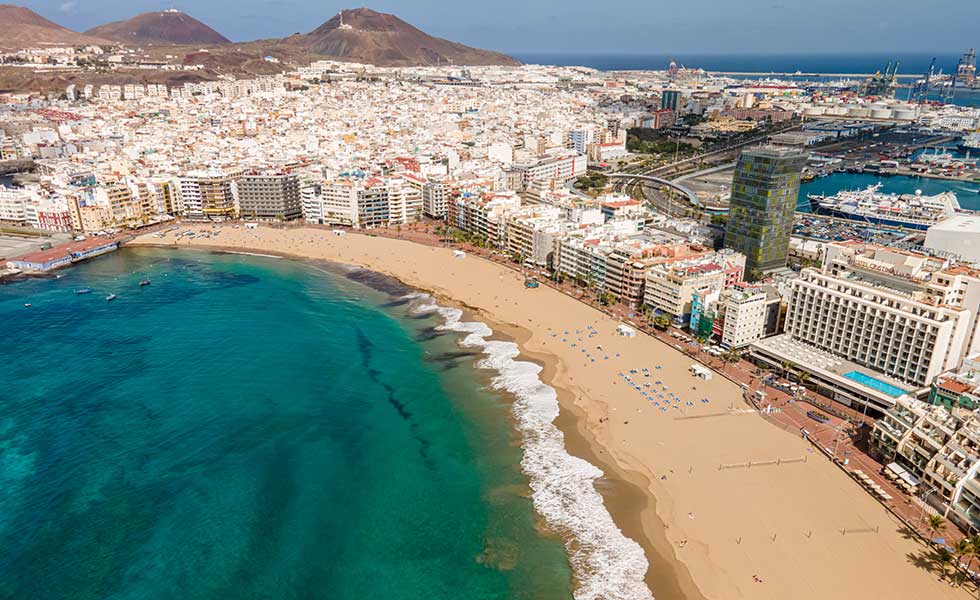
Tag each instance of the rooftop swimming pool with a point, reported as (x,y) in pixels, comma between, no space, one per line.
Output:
(875,384)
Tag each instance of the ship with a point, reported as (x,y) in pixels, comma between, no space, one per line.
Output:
(870,205)
(970,143)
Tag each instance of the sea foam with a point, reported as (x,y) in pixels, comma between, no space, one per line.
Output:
(607,564)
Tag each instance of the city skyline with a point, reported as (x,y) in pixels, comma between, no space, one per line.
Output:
(624,26)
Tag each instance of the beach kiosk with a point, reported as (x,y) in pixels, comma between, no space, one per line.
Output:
(625,331)
(701,371)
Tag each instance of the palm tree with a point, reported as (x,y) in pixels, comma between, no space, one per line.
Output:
(945,557)
(786,365)
(935,524)
(730,356)
(962,550)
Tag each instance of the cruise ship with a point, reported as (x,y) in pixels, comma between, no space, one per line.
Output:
(970,143)
(912,211)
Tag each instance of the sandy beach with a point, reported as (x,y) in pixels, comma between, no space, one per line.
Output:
(709,528)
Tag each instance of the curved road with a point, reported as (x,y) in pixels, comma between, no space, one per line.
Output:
(691,196)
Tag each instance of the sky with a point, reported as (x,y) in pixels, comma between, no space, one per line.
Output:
(591,26)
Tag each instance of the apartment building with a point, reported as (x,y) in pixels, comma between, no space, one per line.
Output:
(210,194)
(747,310)
(356,202)
(270,196)
(484,216)
(551,169)
(670,286)
(15,206)
(532,233)
(934,453)
(582,257)
(405,203)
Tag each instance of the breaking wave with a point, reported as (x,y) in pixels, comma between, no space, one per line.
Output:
(607,564)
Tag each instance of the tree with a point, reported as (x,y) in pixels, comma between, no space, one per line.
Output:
(963,549)
(730,356)
(935,524)
(661,322)
(945,557)
(607,299)
(787,367)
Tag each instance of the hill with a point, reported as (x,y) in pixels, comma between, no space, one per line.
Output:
(166,27)
(21,27)
(365,36)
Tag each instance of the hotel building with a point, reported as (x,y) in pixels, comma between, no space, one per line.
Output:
(887,321)
(272,196)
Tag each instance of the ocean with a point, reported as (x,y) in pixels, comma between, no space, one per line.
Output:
(249,427)
(909,64)
(968,194)
(763,65)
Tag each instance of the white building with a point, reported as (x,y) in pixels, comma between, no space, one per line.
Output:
(745,317)
(890,329)
(957,236)
(553,169)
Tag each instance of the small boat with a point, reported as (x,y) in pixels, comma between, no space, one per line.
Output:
(27,305)
(110,297)
(84,291)
(144,282)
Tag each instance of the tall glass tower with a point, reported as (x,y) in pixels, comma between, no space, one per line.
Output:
(760,218)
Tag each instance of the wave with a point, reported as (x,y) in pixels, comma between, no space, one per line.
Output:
(607,564)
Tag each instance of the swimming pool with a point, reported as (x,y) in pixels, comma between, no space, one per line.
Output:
(875,384)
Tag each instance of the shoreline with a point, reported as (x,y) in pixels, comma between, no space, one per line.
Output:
(737,533)
(621,490)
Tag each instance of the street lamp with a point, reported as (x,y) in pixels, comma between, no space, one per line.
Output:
(922,508)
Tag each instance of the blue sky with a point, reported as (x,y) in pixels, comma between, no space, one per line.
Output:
(615,26)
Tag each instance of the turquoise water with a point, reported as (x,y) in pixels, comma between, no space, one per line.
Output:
(252,428)
(968,194)
(875,384)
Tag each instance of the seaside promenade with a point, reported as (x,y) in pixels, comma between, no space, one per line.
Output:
(740,509)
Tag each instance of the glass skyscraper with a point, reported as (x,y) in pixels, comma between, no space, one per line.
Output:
(760,218)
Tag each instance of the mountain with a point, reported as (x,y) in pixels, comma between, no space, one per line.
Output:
(167,27)
(365,36)
(21,27)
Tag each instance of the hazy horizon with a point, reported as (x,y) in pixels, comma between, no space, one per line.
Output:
(637,27)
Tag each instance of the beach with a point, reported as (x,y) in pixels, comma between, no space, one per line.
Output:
(677,477)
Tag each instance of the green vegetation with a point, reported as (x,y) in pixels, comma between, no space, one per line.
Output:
(661,322)
(720,220)
(654,141)
(593,180)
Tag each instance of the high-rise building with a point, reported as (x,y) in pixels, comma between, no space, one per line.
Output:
(273,196)
(670,100)
(763,202)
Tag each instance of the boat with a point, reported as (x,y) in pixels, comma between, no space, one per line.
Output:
(144,282)
(911,211)
(84,291)
(970,143)
(110,297)
(27,305)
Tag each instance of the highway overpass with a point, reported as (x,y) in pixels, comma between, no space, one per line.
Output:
(691,196)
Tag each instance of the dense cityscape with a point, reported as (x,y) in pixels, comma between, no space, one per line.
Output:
(811,241)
